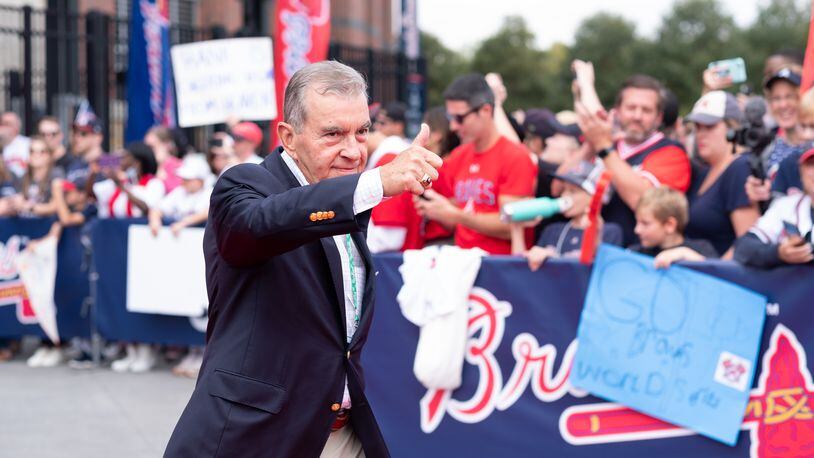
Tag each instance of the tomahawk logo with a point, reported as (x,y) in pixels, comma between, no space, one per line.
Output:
(779,414)
(12,291)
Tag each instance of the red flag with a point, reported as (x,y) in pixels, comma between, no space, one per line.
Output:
(301,37)
(808,64)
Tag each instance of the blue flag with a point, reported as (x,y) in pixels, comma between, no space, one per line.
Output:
(150,95)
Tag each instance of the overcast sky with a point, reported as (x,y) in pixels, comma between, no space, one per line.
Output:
(461,24)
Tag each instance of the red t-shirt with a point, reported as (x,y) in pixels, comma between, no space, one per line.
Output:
(399,211)
(475,181)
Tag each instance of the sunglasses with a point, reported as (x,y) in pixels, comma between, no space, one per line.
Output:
(39,151)
(459,118)
(53,133)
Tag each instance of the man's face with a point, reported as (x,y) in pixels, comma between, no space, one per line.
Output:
(807,176)
(638,114)
(52,133)
(560,147)
(651,231)
(83,141)
(10,124)
(467,122)
(387,126)
(333,139)
(784,99)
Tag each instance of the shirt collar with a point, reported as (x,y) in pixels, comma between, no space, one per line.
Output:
(289,161)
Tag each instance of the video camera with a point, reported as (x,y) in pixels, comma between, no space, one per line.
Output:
(754,135)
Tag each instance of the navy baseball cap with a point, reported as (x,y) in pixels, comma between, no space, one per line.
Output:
(785,74)
(544,124)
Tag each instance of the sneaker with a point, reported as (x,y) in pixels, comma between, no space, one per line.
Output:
(124,364)
(81,362)
(53,358)
(189,366)
(145,359)
(36,359)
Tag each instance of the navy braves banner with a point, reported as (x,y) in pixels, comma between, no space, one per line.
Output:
(113,319)
(516,400)
(150,96)
(17,317)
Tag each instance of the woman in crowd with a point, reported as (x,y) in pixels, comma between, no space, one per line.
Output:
(34,197)
(8,190)
(720,210)
(131,191)
(161,140)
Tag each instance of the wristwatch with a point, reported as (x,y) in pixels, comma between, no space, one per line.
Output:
(603,153)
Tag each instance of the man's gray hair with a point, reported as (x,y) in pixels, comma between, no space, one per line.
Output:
(326,77)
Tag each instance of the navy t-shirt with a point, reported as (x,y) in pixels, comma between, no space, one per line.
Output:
(565,238)
(709,212)
(788,175)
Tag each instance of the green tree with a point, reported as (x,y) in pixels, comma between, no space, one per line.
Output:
(693,34)
(511,53)
(610,43)
(443,65)
(781,24)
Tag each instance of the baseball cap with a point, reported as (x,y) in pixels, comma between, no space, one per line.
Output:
(786,74)
(193,168)
(248,131)
(806,156)
(544,124)
(584,175)
(715,106)
(86,119)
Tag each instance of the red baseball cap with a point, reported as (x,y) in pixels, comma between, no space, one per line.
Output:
(248,131)
(807,155)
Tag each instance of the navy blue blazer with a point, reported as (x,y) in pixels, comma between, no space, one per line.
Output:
(276,357)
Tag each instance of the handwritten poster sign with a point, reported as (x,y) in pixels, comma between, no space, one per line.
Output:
(674,344)
(217,79)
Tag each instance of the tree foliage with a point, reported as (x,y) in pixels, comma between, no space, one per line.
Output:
(692,34)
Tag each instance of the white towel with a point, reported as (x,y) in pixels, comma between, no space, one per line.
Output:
(435,297)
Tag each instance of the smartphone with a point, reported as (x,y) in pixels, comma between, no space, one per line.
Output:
(790,229)
(734,68)
(109,161)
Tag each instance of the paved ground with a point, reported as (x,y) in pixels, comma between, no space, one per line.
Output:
(60,412)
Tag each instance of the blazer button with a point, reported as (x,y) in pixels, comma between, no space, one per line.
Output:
(335,407)
(348,355)
(313,217)
(331,215)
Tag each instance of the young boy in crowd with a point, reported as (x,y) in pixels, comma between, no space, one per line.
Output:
(661,216)
(564,239)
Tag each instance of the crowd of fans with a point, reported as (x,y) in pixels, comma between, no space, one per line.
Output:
(720,182)
(681,188)
(160,178)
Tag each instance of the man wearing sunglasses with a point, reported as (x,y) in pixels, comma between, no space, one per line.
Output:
(481,175)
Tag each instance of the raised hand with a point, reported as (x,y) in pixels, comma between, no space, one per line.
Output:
(413,169)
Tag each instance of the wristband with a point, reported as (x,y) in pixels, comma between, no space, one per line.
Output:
(603,153)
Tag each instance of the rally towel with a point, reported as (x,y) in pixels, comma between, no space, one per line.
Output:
(37,268)
(435,297)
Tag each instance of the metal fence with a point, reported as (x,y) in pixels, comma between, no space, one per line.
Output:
(51,59)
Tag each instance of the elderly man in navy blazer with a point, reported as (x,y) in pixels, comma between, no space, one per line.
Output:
(290,283)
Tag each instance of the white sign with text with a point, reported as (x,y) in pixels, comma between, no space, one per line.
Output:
(218,79)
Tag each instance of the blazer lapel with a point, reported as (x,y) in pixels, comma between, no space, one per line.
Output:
(275,164)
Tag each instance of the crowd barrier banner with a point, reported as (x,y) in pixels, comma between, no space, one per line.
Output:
(110,239)
(515,399)
(17,317)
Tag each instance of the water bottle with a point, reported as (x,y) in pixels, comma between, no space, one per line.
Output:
(527,210)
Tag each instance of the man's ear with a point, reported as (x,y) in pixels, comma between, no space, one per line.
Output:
(286,134)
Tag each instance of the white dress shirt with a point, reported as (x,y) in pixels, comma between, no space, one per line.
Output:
(367,195)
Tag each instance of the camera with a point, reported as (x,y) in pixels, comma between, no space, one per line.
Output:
(754,135)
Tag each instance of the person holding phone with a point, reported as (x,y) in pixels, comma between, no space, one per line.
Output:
(783,234)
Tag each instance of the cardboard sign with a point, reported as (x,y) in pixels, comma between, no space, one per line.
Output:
(675,344)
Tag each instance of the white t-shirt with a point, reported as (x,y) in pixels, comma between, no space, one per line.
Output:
(795,210)
(179,203)
(390,145)
(15,155)
(113,203)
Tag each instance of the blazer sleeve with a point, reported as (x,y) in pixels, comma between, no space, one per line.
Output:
(252,223)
